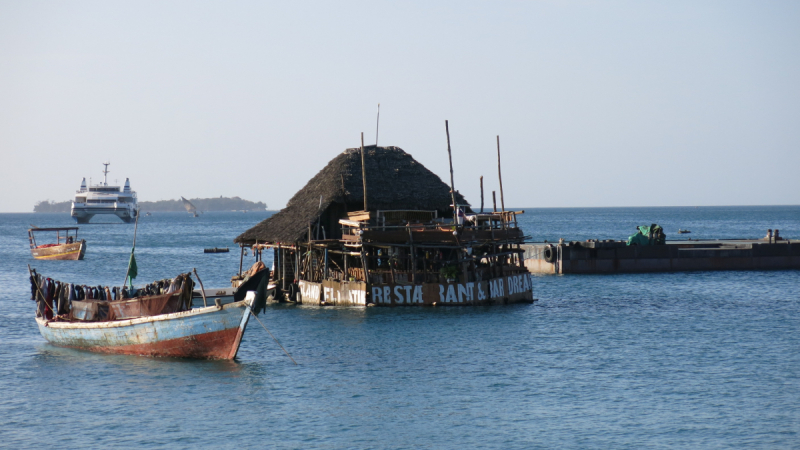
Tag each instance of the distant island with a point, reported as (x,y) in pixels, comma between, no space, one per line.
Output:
(202,204)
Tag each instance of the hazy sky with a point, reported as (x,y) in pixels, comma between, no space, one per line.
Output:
(596,103)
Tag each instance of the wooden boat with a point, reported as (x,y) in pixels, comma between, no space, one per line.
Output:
(66,247)
(212,332)
(680,231)
(216,250)
(160,321)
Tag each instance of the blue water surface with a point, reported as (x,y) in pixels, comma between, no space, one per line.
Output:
(671,360)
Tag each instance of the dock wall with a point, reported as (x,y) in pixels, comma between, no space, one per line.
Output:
(616,257)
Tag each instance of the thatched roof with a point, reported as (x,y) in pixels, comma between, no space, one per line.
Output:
(395,180)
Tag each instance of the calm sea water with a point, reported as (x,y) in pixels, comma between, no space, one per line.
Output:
(683,360)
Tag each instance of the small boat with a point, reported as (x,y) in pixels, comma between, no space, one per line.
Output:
(66,247)
(249,282)
(216,250)
(190,208)
(683,231)
(225,295)
(159,321)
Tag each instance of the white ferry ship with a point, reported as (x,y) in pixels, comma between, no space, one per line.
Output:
(104,199)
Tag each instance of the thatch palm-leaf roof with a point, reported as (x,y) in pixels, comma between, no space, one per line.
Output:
(395,180)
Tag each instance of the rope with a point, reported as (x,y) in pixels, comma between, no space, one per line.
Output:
(273,337)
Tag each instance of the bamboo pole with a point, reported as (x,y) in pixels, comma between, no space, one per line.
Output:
(135,227)
(413,252)
(282,259)
(363,172)
(319,219)
(364,264)
(500,176)
(241,258)
(494,202)
(38,289)
(452,186)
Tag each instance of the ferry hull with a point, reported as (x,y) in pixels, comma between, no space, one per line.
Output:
(84,215)
(204,333)
(70,252)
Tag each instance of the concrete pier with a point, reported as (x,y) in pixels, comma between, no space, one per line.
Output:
(594,256)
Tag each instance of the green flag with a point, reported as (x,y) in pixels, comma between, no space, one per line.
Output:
(132,269)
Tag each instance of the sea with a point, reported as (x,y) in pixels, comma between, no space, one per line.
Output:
(630,361)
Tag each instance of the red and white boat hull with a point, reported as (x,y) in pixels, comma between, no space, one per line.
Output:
(205,333)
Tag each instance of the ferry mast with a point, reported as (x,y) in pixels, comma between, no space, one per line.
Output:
(105,173)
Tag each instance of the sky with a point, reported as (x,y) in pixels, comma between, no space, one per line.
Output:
(610,103)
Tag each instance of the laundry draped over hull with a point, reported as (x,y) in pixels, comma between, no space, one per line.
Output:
(67,301)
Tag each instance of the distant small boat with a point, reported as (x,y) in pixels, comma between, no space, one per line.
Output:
(683,231)
(216,250)
(190,208)
(67,246)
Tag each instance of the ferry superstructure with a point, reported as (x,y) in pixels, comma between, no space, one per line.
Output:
(104,199)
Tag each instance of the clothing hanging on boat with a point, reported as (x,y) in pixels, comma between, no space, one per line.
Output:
(56,296)
(34,291)
(64,304)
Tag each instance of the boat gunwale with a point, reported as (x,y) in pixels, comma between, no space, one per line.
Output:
(141,320)
(71,252)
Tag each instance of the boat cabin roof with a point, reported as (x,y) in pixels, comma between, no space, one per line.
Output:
(54,229)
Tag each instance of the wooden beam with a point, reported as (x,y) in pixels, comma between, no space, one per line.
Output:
(481,194)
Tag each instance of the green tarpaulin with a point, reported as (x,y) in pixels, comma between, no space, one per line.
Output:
(648,235)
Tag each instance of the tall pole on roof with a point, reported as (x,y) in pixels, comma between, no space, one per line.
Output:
(452,186)
(377,124)
(481,194)
(500,175)
(363,171)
